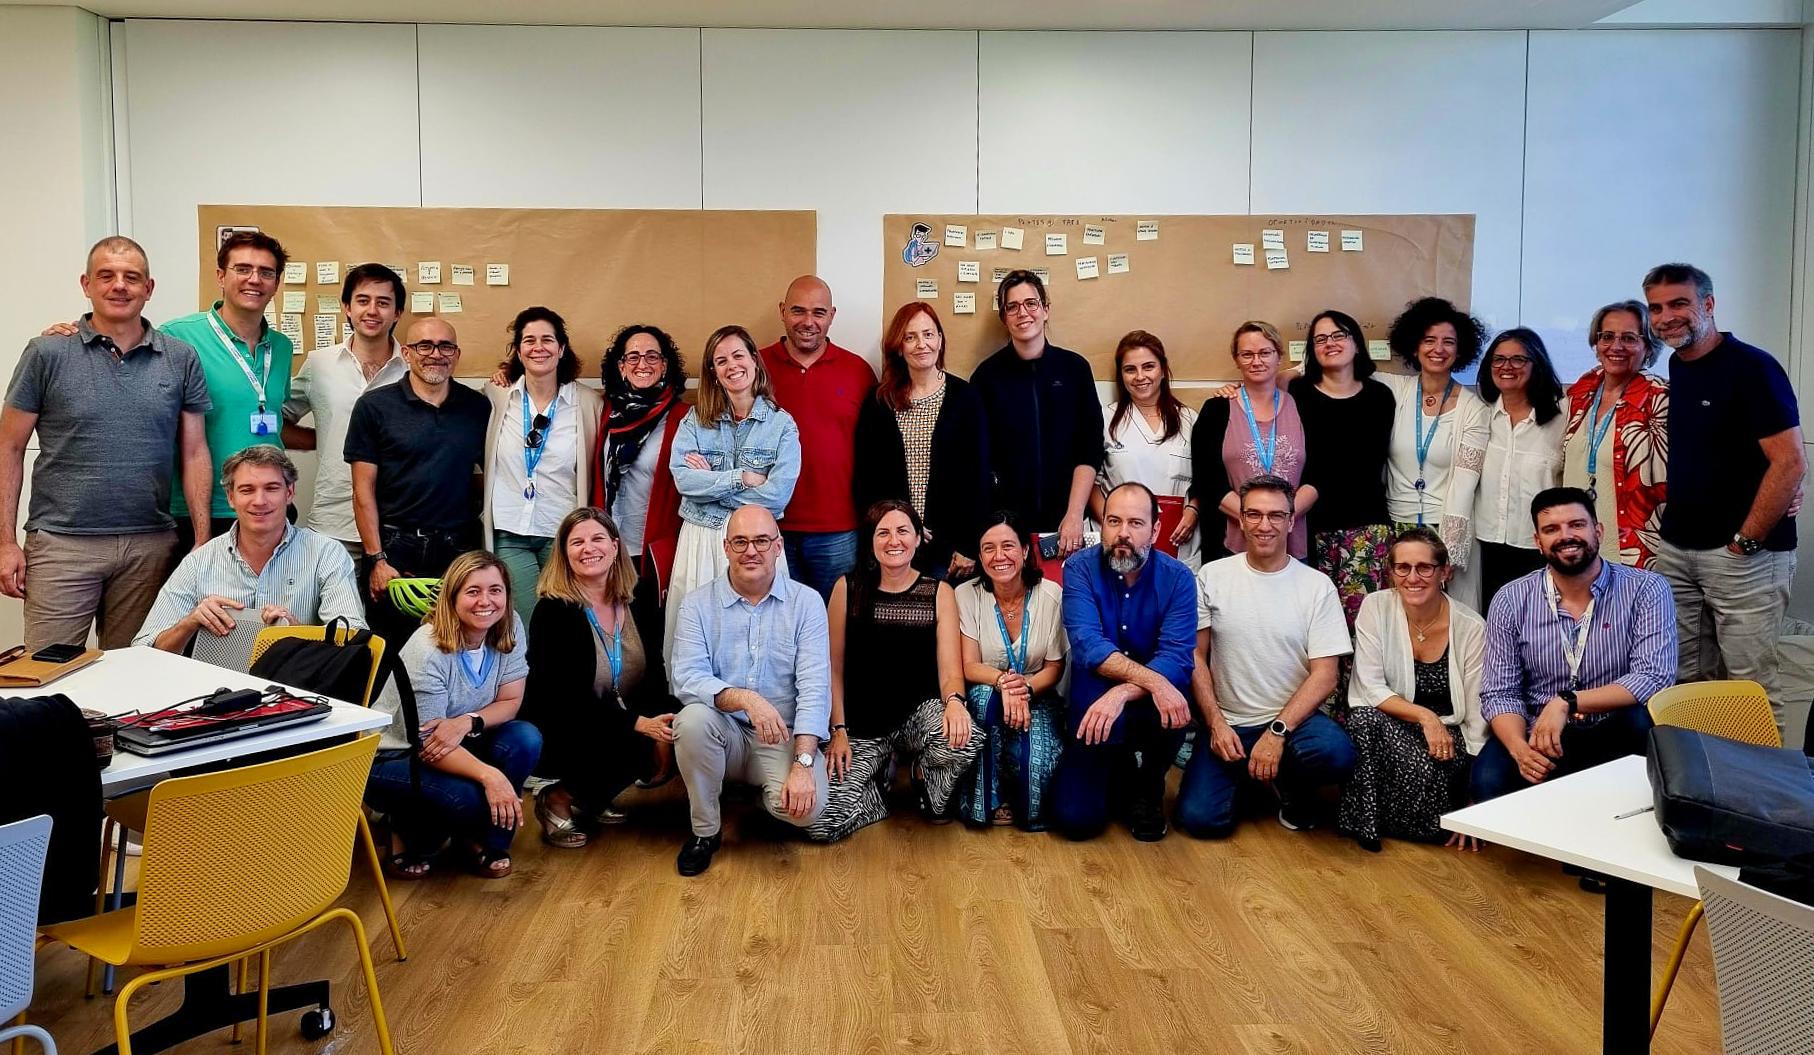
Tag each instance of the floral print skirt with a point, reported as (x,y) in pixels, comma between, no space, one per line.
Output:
(1355,560)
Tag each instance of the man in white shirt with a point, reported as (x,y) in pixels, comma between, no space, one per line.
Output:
(332,380)
(1270,635)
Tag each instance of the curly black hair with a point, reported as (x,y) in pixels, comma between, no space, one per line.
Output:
(1419,316)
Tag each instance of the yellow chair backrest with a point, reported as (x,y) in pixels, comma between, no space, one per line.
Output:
(243,856)
(271,634)
(1736,710)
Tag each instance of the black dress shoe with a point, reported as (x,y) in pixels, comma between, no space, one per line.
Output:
(696,856)
(1146,820)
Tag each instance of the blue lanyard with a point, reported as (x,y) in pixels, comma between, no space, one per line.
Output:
(1423,439)
(486,660)
(614,648)
(1016,663)
(1597,429)
(1270,447)
(532,456)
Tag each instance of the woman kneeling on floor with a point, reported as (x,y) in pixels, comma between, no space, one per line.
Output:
(467,666)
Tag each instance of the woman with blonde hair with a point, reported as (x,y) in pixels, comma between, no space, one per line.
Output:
(467,666)
(1256,433)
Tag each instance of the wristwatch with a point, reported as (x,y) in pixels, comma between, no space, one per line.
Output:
(377,557)
(1747,546)
(478,727)
(804,760)
(1574,703)
(1279,729)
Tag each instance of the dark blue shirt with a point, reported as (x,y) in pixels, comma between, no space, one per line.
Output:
(1152,622)
(1044,421)
(1720,406)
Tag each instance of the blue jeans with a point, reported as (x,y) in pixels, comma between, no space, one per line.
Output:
(525,556)
(1625,731)
(1317,753)
(820,558)
(451,805)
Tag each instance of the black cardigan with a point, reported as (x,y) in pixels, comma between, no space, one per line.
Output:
(563,664)
(958,485)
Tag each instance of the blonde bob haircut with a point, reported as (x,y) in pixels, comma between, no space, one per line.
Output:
(558,581)
(445,624)
(1264,329)
(713,403)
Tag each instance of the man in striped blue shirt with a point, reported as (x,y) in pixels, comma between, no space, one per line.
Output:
(1574,651)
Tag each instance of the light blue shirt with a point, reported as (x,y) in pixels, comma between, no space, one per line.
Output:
(309,573)
(766,442)
(779,648)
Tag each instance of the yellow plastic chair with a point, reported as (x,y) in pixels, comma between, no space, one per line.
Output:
(1736,710)
(235,864)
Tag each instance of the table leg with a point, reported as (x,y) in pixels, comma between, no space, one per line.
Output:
(1625,1014)
(209,1005)
(115,899)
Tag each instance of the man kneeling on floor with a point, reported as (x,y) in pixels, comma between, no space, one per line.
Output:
(752,665)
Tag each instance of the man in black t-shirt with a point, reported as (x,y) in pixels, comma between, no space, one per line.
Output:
(1735,468)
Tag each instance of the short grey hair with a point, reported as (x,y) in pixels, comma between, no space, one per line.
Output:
(1676,274)
(259,454)
(1269,482)
(1652,346)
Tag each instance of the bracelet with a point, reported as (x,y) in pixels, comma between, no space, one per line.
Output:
(839,726)
(999,678)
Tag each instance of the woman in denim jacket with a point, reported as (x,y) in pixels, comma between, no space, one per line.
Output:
(735,448)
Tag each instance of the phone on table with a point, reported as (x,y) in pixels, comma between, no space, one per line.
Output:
(57,653)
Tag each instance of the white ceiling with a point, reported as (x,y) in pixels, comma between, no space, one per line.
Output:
(924,14)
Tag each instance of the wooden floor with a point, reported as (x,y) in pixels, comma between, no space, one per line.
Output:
(918,939)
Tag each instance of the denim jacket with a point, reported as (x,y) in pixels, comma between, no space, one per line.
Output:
(766,442)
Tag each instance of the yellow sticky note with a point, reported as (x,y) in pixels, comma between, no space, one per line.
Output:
(1317,241)
(462,274)
(1118,264)
(295,301)
(450,303)
(1243,252)
(926,288)
(399,270)
(985,239)
(1093,235)
(326,303)
(1276,260)
(963,304)
(1044,275)
(327,272)
(428,273)
(1057,244)
(1146,231)
(969,271)
(1351,241)
(1379,350)
(324,331)
(1086,267)
(422,303)
(957,235)
(1297,349)
(291,326)
(1272,238)
(295,273)
(497,274)
(1011,237)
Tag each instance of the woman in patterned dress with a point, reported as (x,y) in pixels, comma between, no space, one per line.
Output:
(1616,447)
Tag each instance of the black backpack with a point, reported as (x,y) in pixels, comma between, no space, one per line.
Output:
(337,671)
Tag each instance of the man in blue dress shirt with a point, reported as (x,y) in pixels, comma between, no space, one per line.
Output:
(1131,614)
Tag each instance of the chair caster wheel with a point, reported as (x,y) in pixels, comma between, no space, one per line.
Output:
(318,1023)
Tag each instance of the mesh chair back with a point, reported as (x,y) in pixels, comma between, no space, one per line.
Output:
(23,845)
(234,651)
(243,856)
(1763,957)
(1736,710)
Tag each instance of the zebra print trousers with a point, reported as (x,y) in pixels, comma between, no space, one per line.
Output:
(860,798)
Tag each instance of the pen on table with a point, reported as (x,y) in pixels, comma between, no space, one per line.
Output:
(1633,813)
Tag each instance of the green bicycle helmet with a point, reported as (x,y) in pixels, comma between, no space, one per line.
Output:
(414,597)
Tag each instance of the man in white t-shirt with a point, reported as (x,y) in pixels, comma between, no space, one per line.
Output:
(1270,634)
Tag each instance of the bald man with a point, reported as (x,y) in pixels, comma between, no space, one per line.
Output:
(823,386)
(752,665)
(416,448)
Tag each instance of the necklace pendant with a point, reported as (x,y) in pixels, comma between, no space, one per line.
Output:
(1429,401)
(529,491)
(1420,636)
(1419,484)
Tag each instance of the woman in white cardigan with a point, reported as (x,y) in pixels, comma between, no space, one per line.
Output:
(1414,699)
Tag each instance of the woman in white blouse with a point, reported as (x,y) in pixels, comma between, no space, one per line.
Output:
(538,449)
(1414,701)
(1523,455)
(1439,431)
(1147,440)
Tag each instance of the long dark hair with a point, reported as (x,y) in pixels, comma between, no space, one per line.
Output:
(1544,390)
(866,577)
(1030,573)
(673,375)
(564,371)
(1344,322)
(1171,412)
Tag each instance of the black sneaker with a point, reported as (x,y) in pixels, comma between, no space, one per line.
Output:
(696,856)
(1294,817)
(1146,819)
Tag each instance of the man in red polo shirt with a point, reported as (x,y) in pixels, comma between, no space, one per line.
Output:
(822,386)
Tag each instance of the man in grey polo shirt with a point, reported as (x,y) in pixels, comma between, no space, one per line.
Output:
(109,404)
(264,565)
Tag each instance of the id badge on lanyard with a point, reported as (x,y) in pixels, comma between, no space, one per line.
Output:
(1573,651)
(263,422)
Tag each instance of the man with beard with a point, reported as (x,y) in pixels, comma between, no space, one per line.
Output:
(1131,616)
(1735,465)
(1270,637)
(1574,651)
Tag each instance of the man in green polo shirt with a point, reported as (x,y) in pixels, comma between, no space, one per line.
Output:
(245,361)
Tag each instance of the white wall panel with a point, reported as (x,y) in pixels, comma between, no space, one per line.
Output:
(1113,122)
(281,113)
(1397,123)
(852,124)
(1624,172)
(568,117)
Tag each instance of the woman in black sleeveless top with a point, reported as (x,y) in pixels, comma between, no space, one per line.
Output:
(897,683)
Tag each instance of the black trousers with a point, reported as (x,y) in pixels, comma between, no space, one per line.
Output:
(1500,564)
(415,554)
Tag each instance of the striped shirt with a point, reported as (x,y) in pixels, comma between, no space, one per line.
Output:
(1632,642)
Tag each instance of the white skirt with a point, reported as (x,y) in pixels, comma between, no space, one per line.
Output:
(698,559)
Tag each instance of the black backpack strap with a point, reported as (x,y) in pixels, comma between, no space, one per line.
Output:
(406,705)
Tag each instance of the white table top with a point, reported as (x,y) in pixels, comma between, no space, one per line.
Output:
(1572,819)
(129,679)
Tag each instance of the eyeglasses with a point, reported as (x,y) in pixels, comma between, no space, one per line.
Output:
(1516,362)
(434,349)
(1627,339)
(1251,356)
(742,543)
(1323,340)
(637,358)
(1023,307)
(1256,516)
(538,432)
(247,271)
(1418,571)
